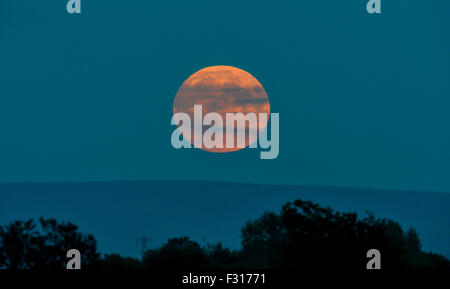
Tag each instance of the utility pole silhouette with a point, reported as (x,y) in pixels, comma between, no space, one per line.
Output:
(143,242)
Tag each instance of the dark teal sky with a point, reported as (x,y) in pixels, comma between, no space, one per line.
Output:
(364,100)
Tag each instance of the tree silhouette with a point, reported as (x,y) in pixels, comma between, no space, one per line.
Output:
(178,254)
(223,257)
(309,237)
(43,246)
(115,262)
(303,236)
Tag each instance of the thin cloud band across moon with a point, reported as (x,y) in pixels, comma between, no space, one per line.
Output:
(223,109)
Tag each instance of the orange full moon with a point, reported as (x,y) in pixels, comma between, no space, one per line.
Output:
(222,89)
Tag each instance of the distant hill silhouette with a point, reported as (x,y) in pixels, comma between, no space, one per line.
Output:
(119,212)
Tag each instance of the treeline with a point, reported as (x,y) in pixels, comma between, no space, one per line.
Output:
(302,236)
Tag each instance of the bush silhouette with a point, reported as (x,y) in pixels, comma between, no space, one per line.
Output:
(43,245)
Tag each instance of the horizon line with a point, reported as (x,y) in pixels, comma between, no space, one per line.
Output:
(354,188)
